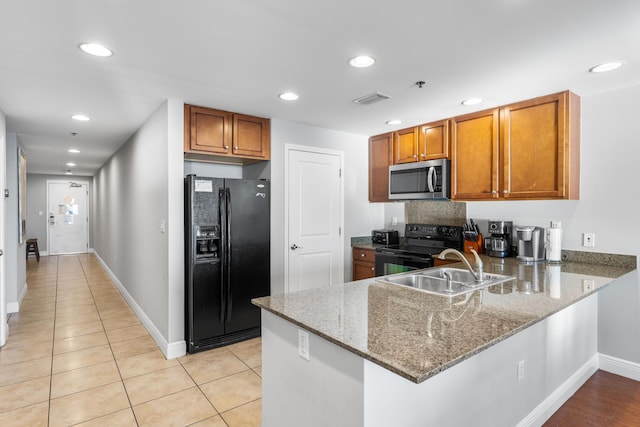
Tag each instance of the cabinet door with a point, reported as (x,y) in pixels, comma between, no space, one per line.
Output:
(475,156)
(210,130)
(363,270)
(405,146)
(434,141)
(251,136)
(533,145)
(364,266)
(379,161)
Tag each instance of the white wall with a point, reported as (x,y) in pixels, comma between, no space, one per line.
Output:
(14,251)
(360,215)
(140,186)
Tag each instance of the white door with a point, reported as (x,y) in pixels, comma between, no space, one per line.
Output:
(68,217)
(314,206)
(3,304)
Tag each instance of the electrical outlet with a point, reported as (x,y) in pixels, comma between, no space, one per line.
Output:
(303,344)
(520,370)
(394,220)
(588,285)
(589,240)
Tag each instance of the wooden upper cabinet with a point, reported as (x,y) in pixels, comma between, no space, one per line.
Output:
(405,146)
(225,137)
(251,136)
(475,155)
(540,149)
(380,156)
(433,141)
(526,150)
(209,130)
(425,142)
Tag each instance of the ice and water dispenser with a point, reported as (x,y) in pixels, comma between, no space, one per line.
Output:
(207,242)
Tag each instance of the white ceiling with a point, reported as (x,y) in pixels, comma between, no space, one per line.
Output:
(239,55)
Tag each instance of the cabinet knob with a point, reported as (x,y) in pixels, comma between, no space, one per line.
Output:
(373,269)
(505,191)
(363,255)
(226,147)
(494,192)
(415,156)
(423,155)
(235,148)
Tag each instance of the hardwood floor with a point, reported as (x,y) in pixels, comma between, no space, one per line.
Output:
(604,400)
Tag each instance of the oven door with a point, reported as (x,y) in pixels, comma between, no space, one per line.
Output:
(388,262)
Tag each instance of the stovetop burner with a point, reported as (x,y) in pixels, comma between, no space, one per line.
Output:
(427,239)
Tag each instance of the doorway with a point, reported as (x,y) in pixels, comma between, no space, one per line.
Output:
(3,303)
(67,217)
(314,218)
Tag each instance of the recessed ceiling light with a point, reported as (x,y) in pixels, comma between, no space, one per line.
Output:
(95,49)
(607,66)
(362,61)
(73,150)
(68,173)
(472,101)
(394,122)
(289,96)
(70,164)
(80,118)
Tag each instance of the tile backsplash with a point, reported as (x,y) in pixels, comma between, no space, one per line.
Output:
(436,212)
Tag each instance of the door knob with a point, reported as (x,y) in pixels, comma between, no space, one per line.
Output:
(294,247)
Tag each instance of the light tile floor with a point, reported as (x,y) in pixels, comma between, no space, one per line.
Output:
(78,355)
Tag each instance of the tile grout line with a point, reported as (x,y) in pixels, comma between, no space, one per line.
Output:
(53,341)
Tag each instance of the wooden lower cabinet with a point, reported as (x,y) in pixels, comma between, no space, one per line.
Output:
(364,263)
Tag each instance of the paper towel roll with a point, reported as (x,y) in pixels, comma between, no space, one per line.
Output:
(555,245)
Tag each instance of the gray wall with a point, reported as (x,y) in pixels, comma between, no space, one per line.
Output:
(360,216)
(37,202)
(15,264)
(140,186)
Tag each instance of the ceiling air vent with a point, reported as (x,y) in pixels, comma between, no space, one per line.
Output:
(371,98)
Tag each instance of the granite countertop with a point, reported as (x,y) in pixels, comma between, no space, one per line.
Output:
(417,335)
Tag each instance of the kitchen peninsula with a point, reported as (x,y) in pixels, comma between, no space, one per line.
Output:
(382,354)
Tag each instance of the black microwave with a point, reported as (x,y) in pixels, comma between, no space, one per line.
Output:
(420,181)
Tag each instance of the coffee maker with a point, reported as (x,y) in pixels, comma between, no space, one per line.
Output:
(530,244)
(499,244)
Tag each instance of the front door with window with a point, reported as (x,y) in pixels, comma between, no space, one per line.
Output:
(68,217)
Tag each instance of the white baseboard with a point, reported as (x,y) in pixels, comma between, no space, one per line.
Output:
(170,350)
(13,307)
(555,400)
(620,367)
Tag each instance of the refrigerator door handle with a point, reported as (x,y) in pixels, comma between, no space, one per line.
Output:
(223,264)
(229,305)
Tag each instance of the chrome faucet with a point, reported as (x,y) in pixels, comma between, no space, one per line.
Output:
(477,272)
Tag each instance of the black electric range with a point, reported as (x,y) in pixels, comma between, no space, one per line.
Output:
(421,242)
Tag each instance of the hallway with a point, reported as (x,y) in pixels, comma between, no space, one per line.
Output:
(78,355)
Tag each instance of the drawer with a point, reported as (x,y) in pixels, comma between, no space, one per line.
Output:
(368,255)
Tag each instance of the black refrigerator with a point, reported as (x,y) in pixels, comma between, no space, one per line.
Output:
(227,259)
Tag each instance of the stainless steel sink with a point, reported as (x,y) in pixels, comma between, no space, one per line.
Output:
(435,281)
